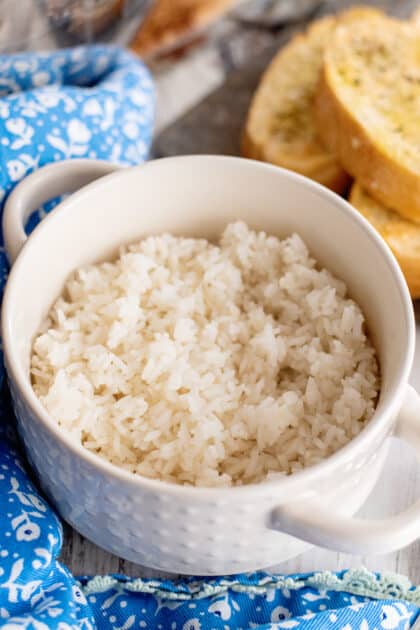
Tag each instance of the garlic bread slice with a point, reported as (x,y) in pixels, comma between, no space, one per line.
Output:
(367,107)
(279,126)
(401,235)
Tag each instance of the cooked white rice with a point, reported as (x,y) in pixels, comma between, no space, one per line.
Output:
(206,364)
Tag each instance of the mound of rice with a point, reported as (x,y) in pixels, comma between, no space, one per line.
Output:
(210,365)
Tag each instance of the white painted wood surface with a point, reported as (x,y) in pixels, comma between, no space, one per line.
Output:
(197,91)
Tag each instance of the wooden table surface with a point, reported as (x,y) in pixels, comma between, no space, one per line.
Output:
(202,100)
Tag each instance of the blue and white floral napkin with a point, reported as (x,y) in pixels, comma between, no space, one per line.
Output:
(98,102)
(85,102)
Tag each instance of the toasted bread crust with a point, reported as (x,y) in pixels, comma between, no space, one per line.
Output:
(324,171)
(279,127)
(381,161)
(400,234)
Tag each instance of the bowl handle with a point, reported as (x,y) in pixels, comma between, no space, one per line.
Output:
(40,186)
(319,526)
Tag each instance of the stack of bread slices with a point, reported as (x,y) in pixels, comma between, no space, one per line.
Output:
(341,104)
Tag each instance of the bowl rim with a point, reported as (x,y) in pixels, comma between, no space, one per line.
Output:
(343,456)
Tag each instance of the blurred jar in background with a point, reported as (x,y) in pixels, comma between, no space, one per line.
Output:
(49,24)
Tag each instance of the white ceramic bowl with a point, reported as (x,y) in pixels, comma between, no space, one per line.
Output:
(186,529)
